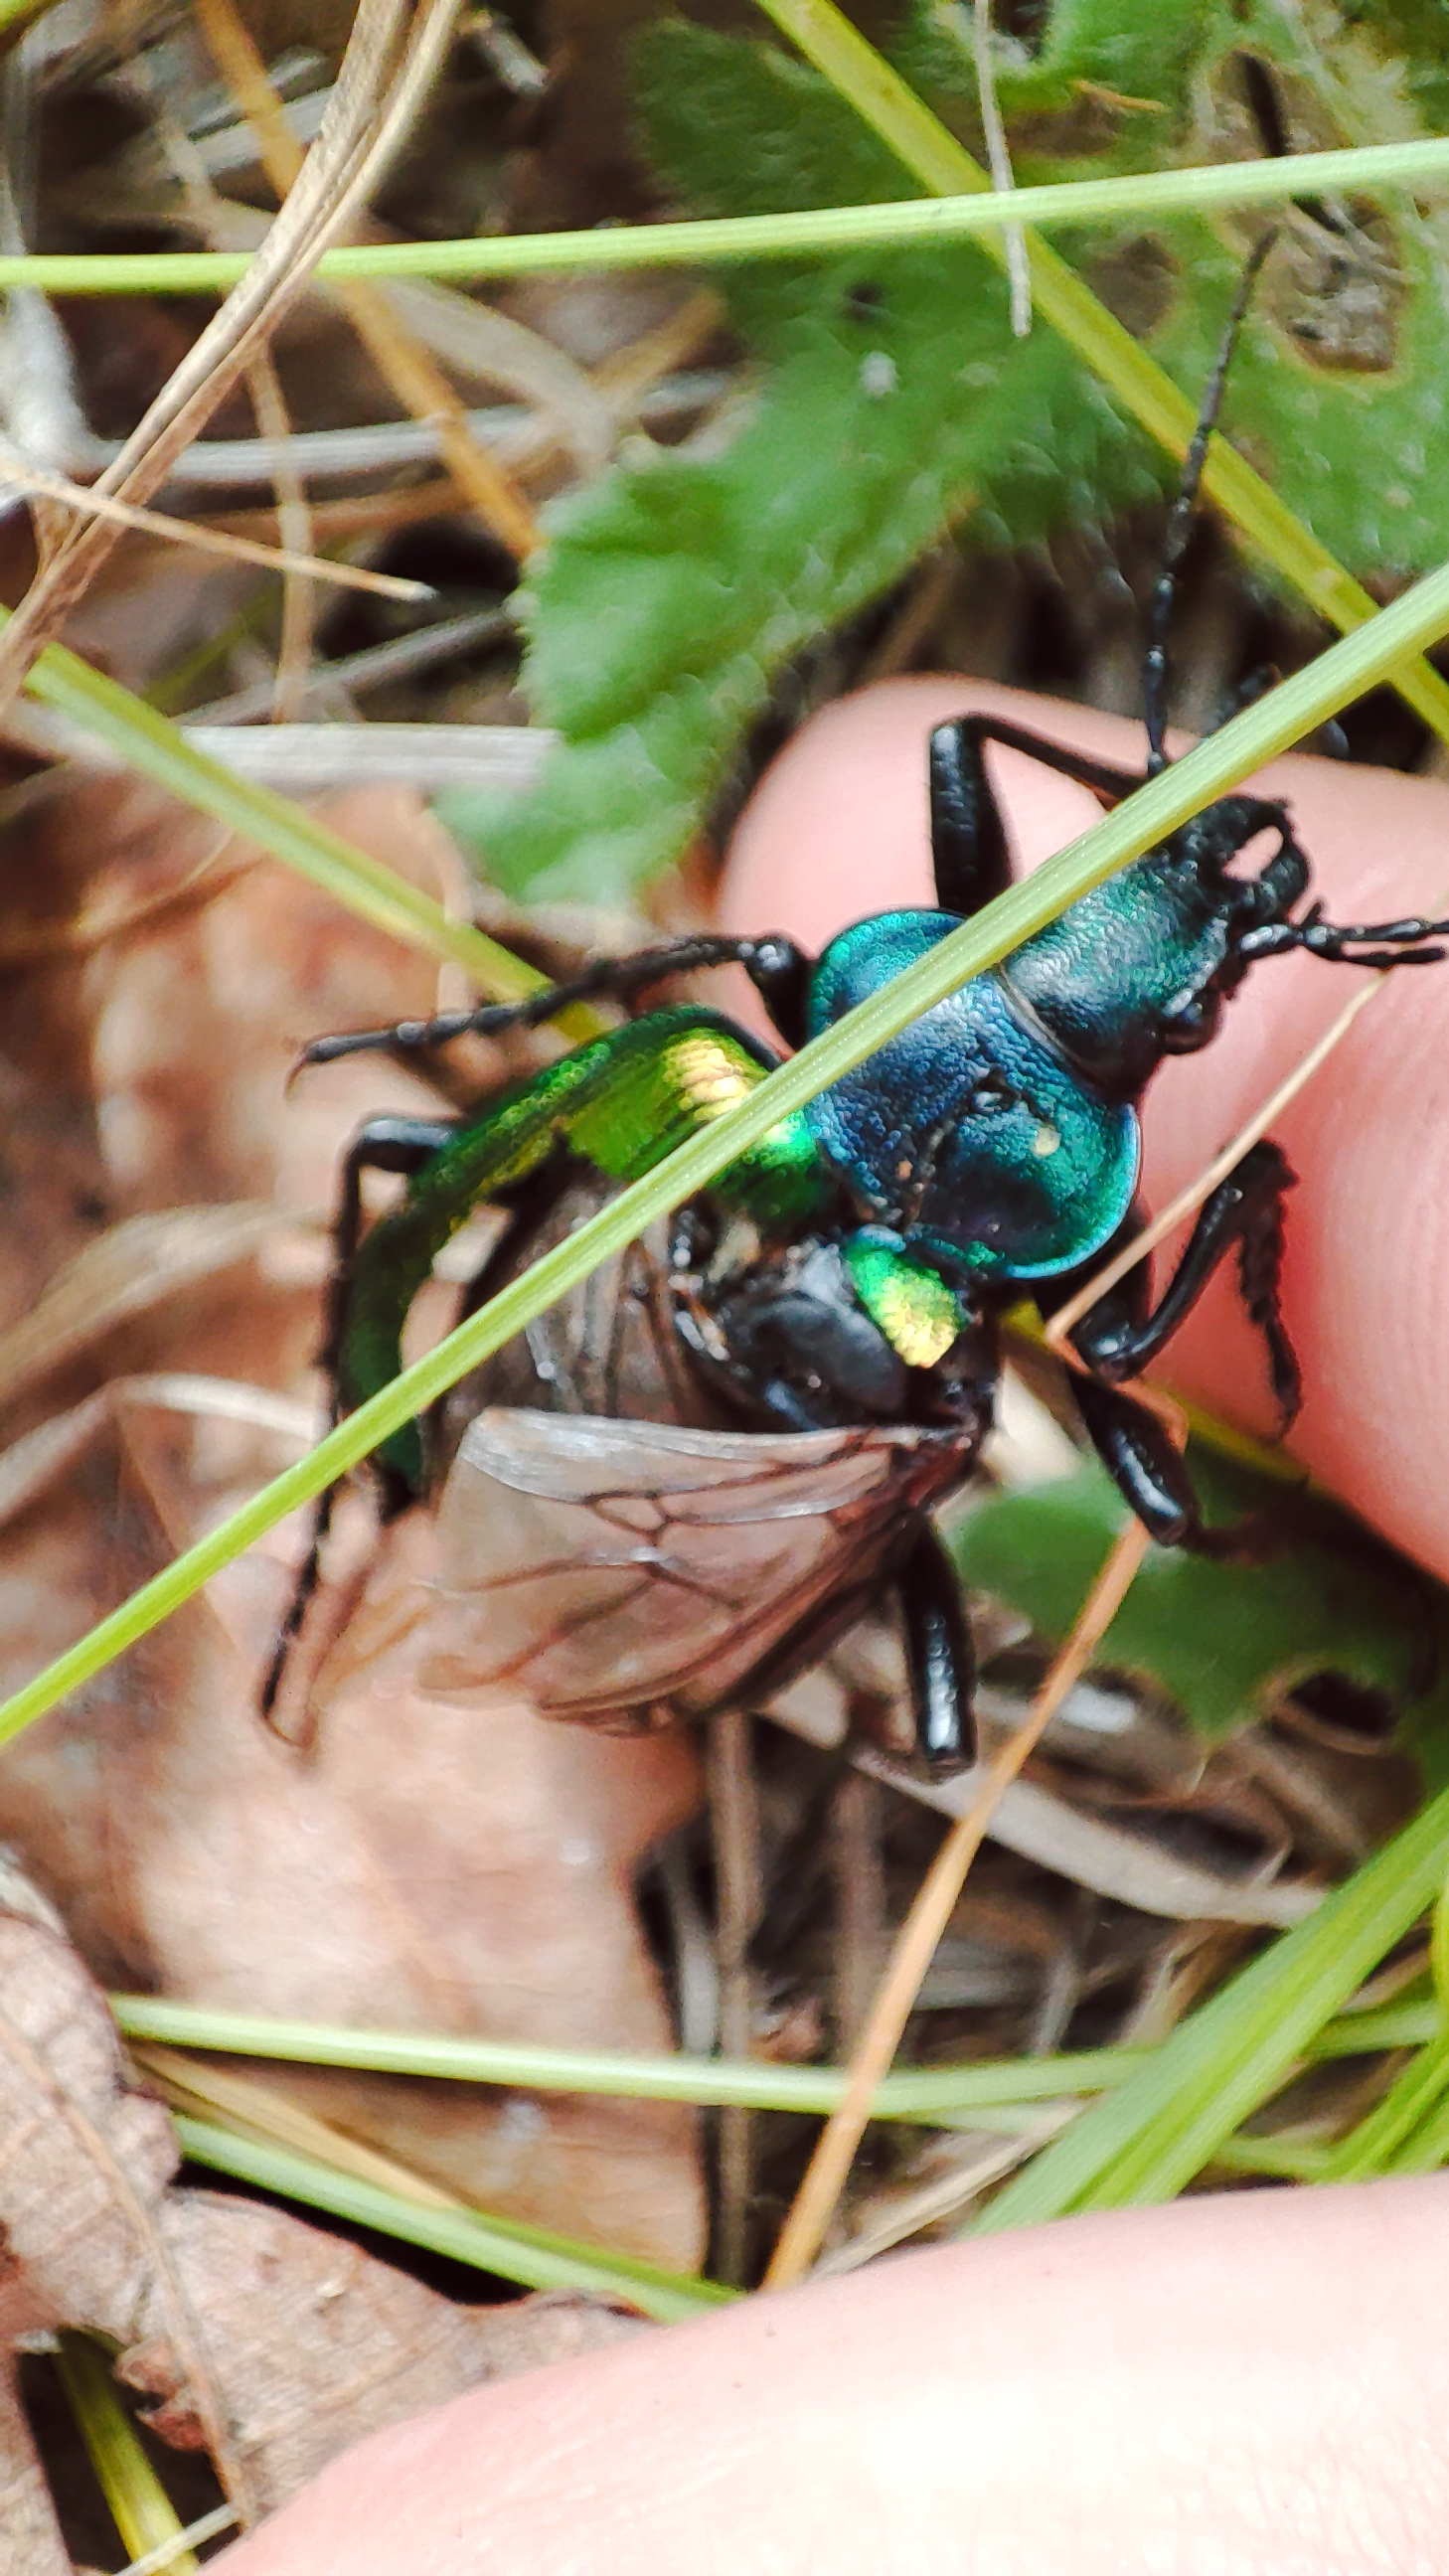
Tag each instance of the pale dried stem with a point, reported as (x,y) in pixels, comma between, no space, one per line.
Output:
(356,140)
(294,520)
(405,367)
(208,540)
(208,2526)
(916,1942)
(998,157)
(735,1824)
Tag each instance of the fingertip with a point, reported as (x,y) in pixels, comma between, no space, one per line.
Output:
(839,826)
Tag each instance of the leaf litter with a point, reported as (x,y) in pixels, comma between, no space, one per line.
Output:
(248,2333)
(417,1865)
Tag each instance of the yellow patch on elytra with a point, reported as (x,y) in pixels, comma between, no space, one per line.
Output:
(707,1075)
(920,1320)
(1045,1141)
(923,1339)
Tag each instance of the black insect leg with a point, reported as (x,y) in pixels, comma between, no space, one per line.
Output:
(968,840)
(1141,1460)
(1122,1332)
(940,1657)
(969,855)
(384,1145)
(960,786)
(779,971)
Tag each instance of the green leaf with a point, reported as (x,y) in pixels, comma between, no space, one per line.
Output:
(675,588)
(1224,1642)
(895,404)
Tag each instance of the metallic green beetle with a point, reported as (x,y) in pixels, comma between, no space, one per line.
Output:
(840,1284)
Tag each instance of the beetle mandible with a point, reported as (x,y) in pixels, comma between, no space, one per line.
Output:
(825,1314)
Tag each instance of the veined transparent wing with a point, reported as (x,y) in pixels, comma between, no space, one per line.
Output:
(604,1569)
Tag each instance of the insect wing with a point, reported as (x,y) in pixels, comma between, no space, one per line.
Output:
(597,1567)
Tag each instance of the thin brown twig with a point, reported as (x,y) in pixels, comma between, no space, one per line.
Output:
(405,367)
(209,539)
(294,520)
(916,1942)
(375,95)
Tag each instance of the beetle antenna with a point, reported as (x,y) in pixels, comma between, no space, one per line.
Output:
(1180,517)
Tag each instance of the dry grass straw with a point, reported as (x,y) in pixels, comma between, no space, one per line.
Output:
(214,540)
(915,1946)
(405,367)
(294,523)
(389,61)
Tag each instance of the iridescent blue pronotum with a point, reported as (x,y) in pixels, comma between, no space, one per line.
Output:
(692,1486)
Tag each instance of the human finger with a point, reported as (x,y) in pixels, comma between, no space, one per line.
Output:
(1255,2382)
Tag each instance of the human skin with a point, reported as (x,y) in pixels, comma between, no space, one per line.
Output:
(1255,2385)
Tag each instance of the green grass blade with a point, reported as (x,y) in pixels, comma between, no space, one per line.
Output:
(1360,2034)
(1147,2140)
(931,153)
(956,214)
(925,2094)
(532,2256)
(1269,726)
(156,749)
(138,2503)
(1393,2126)
(1426,2148)
(1281,2159)
(933,2093)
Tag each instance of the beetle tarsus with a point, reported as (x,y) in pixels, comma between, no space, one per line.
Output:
(1379,943)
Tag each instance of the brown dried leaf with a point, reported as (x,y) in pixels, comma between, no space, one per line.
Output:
(260,2339)
(127,1271)
(431,1868)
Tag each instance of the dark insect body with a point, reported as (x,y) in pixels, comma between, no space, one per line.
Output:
(833,1296)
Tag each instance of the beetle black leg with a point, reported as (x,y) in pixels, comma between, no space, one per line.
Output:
(1119,1335)
(383,1145)
(940,1657)
(779,971)
(1143,1463)
(959,787)
(969,856)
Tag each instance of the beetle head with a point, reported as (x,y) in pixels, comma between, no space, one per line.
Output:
(1139,968)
